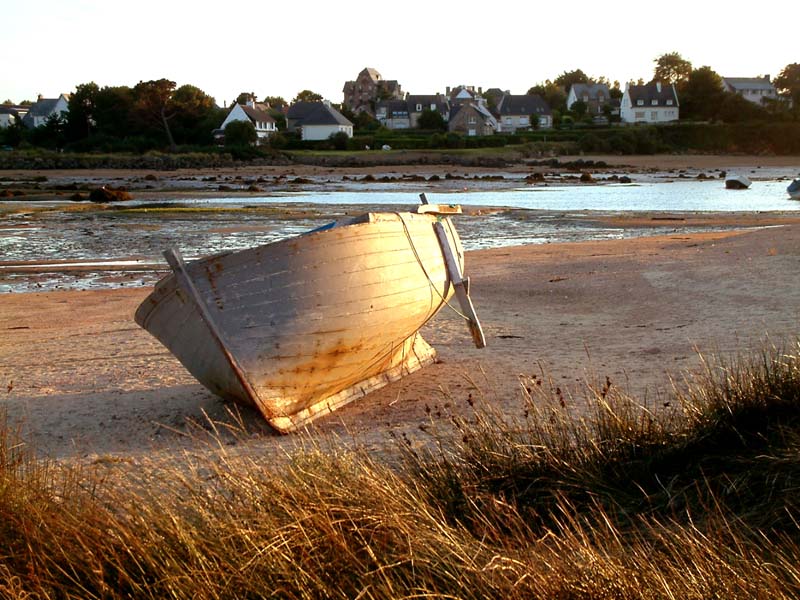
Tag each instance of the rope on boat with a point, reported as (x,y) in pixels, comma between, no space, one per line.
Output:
(422,266)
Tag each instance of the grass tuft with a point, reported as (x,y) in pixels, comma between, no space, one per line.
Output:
(693,498)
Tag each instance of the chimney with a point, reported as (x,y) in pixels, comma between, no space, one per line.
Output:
(39,98)
(447,90)
(658,86)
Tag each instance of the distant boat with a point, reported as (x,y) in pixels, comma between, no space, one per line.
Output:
(794,189)
(300,327)
(737,182)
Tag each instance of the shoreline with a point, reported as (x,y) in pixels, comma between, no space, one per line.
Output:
(84,381)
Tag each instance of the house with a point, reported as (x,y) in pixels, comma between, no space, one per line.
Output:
(368,89)
(754,89)
(519,111)
(316,120)
(464,94)
(596,97)
(472,119)
(405,114)
(255,113)
(393,114)
(654,102)
(44,108)
(11,114)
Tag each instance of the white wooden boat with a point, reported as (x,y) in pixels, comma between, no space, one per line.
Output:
(299,327)
(794,189)
(737,182)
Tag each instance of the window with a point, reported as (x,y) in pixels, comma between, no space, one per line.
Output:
(654,102)
(586,97)
(471,120)
(433,107)
(654,116)
(523,121)
(640,103)
(600,98)
(669,102)
(419,107)
(639,114)
(508,120)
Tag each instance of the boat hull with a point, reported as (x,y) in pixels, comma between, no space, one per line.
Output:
(312,322)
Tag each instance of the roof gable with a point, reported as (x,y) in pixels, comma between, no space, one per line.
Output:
(654,93)
(525,104)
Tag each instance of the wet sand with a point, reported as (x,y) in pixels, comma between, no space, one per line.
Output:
(85,381)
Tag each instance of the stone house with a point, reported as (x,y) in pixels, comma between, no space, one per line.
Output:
(522,111)
(405,114)
(472,120)
(369,88)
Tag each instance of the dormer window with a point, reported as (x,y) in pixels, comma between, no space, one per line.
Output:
(640,103)
(433,106)
(600,98)
(654,102)
(419,107)
(669,102)
(586,97)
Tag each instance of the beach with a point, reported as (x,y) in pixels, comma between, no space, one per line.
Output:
(83,381)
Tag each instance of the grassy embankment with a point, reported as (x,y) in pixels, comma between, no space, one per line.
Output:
(698,499)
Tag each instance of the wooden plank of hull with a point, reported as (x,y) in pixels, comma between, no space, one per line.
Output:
(314,321)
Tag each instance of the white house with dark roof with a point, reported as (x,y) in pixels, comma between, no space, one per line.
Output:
(255,113)
(317,120)
(754,89)
(522,112)
(654,102)
(44,108)
(11,114)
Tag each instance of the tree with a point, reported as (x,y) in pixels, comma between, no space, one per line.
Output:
(153,106)
(240,133)
(195,115)
(244,98)
(431,120)
(339,140)
(552,93)
(579,108)
(80,111)
(787,84)
(702,94)
(568,78)
(274,101)
(672,68)
(307,96)
(113,111)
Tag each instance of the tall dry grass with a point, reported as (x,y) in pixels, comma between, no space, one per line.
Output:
(697,499)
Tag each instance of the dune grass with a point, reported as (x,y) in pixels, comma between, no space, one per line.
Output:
(694,498)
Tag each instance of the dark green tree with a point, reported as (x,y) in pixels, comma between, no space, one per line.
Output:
(735,109)
(307,96)
(113,112)
(672,68)
(195,115)
(552,93)
(153,106)
(568,78)
(275,102)
(787,83)
(431,120)
(339,140)
(81,111)
(244,98)
(701,95)
(579,109)
(240,133)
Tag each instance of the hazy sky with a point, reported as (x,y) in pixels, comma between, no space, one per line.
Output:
(280,48)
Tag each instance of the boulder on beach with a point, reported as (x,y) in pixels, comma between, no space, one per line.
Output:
(105,194)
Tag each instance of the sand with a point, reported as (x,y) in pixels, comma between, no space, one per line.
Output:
(83,381)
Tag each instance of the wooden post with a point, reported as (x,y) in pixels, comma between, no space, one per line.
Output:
(460,286)
(175,261)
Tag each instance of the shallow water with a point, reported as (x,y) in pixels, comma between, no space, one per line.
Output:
(538,214)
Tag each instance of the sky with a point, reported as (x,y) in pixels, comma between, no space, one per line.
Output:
(280,48)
